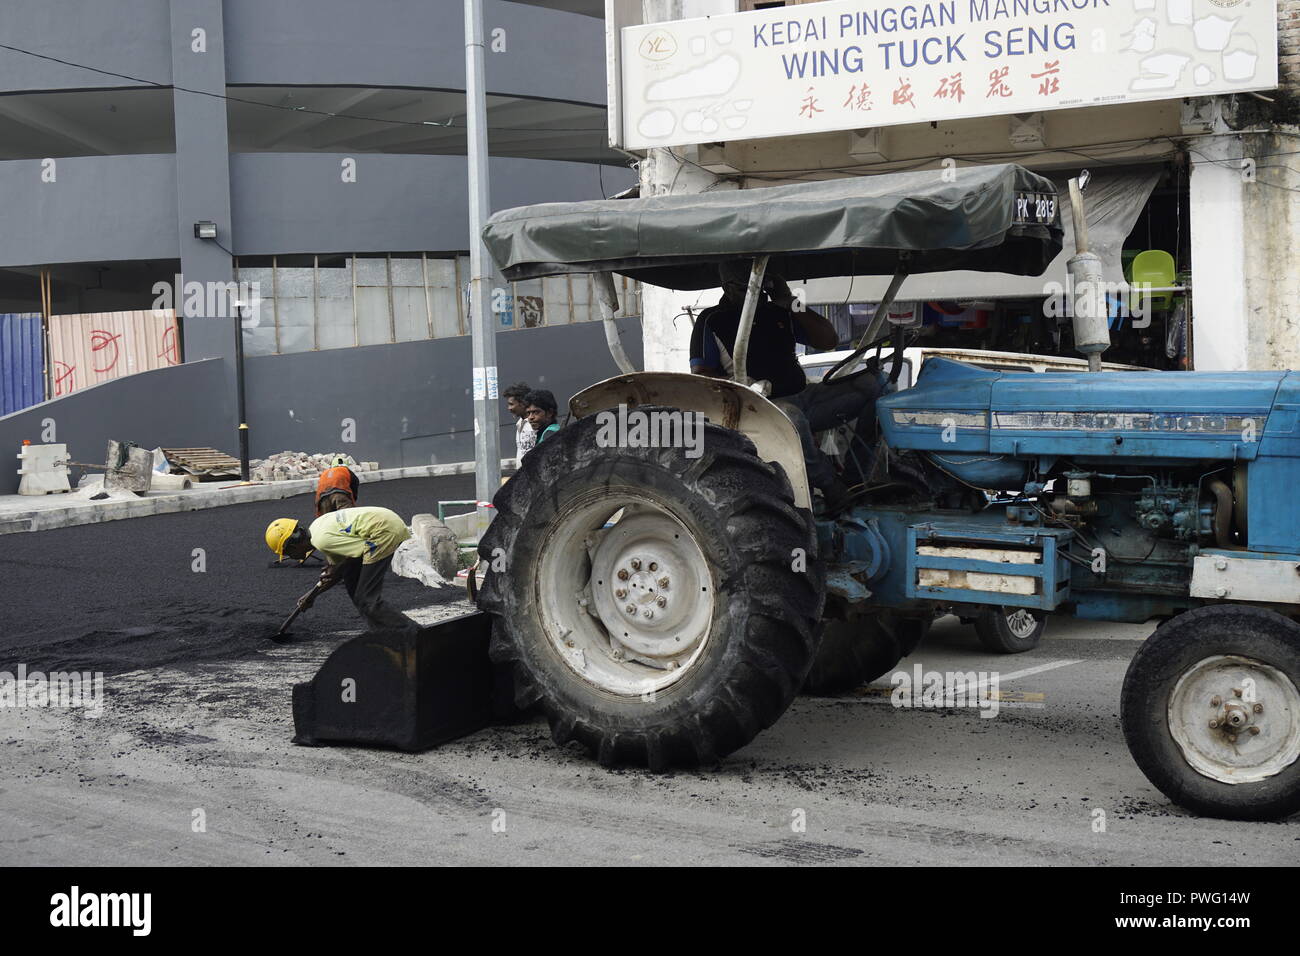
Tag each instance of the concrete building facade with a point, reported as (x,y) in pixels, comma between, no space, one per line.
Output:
(1224,204)
(324,141)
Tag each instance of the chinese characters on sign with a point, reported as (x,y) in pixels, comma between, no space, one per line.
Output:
(820,67)
(950,87)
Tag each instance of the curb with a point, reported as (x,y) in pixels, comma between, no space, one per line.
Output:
(88,512)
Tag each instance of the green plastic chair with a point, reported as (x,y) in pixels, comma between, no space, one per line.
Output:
(1155,268)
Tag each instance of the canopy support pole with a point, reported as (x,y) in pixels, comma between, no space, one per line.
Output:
(607,297)
(740,355)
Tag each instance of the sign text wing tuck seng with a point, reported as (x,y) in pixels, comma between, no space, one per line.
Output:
(854,64)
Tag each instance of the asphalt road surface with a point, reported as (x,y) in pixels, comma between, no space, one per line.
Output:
(191,760)
(126,594)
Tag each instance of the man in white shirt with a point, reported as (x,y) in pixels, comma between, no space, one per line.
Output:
(525,436)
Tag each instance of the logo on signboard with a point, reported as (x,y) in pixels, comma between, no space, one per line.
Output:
(1225,3)
(659,45)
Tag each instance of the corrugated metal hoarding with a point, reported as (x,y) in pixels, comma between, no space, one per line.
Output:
(95,347)
(21,380)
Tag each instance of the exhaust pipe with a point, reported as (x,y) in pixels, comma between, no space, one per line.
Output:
(1091,318)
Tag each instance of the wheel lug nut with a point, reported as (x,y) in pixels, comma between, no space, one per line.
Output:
(1254,731)
(636,566)
(1216,701)
(663,582)
(631,609)
(648,613)
(1258,708)
(620,593)
(653,566)
(1214,724)
(662,602)
(622,574)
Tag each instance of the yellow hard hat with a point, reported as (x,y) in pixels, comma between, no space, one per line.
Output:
(278,532)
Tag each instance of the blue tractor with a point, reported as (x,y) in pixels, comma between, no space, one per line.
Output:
(663,581)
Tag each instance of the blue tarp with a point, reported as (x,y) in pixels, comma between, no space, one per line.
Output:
(22,383)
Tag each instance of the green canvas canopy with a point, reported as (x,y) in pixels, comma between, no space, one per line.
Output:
(1000,218)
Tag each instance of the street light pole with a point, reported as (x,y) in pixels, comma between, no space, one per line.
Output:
(239,389)
(487,435)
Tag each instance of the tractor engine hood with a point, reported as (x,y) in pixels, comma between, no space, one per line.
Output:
(957,411)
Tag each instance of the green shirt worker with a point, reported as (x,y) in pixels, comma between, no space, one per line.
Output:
(357,545)
(542,412)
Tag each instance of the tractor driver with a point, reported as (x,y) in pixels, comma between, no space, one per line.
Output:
(778,325)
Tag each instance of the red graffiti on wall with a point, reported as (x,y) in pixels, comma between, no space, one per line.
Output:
(101,340)
(169,351)
(63,372)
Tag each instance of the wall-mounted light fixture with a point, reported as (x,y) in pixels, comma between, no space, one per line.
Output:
(205,230)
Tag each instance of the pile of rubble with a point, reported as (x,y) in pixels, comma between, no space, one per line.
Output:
(290,465)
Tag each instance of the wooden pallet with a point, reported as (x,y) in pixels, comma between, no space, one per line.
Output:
(203,462)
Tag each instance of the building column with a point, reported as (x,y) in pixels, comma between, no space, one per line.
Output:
(665,324)
(202,170)
(1271,219)
(665,327)
(1219,303)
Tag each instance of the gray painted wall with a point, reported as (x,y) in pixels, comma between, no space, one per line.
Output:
(98,207)
(124,36)
(125,207)
(411,401)
(184,405)
(298,202)
(415,43)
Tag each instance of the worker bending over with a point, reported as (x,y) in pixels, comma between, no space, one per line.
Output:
(358,546)
(337,488)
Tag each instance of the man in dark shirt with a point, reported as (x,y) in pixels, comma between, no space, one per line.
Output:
(777,327)
(542,413)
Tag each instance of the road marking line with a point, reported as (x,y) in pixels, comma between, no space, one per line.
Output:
(1100,637)
(1050,666)
(880,694)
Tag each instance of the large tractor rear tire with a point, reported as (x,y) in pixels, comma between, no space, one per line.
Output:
(659,608)
(1211,712)
(852,653)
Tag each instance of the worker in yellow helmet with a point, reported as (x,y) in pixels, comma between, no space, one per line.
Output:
(357,545)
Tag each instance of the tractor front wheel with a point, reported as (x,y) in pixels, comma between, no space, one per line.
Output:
(1010,630)
(1211,712)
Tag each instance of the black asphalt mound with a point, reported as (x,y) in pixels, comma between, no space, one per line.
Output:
(125,595)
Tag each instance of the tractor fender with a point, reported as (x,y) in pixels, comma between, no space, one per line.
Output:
(722,401)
